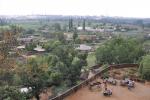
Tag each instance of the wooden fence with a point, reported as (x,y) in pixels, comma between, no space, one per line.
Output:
(84,83)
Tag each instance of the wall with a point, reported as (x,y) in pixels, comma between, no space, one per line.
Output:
(85,83)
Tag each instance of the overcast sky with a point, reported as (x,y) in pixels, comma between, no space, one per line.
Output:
(124,8)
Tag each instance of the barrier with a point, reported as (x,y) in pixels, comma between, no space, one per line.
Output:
(84,83)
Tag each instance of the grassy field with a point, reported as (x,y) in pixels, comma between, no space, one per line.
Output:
(91,59)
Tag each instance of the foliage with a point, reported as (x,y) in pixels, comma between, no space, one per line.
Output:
(144,68)
(119,50)
(57,27)
(91,59)
(83,57)
(30,31)
(75,35)
(33,75)
(30,46)
(50,45)
(83,25)
(67,63)
(70,24)
(7,64)
(11,93)
(3,21)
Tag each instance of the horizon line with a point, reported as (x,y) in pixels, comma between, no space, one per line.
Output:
(19,15)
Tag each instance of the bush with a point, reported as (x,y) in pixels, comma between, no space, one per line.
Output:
(144,68)
(11,93)
(119,50)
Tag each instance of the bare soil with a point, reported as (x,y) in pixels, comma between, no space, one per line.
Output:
(140,92)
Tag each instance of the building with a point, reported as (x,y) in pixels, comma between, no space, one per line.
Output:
(84,47)
(39,49)
(68,36)
(87,37)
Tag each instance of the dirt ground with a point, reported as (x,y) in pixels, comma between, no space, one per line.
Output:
(140,92)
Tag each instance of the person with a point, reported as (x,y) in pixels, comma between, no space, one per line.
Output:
(130,84)
(105,84)
(107,92)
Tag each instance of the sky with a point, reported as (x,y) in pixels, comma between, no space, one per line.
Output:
(121,8)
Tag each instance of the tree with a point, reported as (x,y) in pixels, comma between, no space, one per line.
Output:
(66,62)
(83,57)
(15,29)
(70,24)
(60,36)
(34,75)
(30,31)
(3,21)
(57,27)
(83,25)
(30,46)
(7,64)
(52,44)
(11,93)
(75,35)
(144,68)
(119,50)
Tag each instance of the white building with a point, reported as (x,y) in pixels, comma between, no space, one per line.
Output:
(39,49)
(84,47)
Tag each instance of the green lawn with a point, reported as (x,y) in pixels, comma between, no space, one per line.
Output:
(91,59)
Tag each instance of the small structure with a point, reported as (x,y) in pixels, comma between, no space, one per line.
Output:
(39,49)
(25,90)
(21,47)
(84,47)
(68,36)
(87,37)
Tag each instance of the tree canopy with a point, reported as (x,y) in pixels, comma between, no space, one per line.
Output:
(144,68)
(119,50)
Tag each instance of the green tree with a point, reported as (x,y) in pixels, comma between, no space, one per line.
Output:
(57,27)
(34,75)
(30,46)
(119,50)
(70,24)
(3,21)
(83,25)
(66,62)
(144,68)
(83,57)
(75,34)
(11,93)
(52,44)
(30,31)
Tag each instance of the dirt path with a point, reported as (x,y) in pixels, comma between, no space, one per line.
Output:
(140,92)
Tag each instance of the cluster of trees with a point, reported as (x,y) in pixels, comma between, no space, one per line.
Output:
(62,64)
(30,46)
(3,21)
(144,68)
(119,50)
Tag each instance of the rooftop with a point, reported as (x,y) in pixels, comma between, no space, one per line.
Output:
(84,47)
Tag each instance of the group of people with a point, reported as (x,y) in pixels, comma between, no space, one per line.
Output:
(106,92)
(127,82)
(130,84)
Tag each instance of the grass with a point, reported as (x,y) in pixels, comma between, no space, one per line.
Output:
(91,59)
(147,42)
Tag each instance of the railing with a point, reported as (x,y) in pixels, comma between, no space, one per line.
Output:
(84,83)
